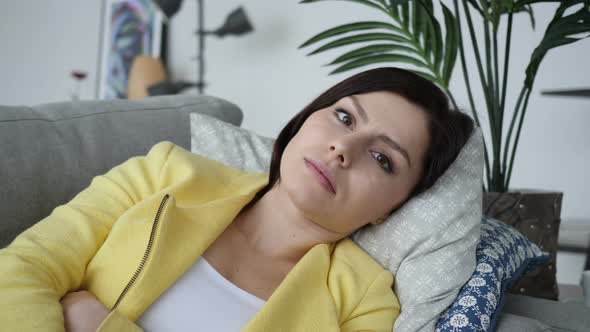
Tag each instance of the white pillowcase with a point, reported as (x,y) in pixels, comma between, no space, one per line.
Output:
(428,243)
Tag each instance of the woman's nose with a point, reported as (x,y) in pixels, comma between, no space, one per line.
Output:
(336,154)
(342,150)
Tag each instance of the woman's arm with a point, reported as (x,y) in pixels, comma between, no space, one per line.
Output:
(377,310)
(83,312)
(49,259)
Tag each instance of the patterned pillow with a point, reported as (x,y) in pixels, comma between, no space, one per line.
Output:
(503,256)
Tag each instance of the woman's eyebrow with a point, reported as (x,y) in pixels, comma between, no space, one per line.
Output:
(391,142)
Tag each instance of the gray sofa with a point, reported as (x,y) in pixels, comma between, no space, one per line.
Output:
(51,152)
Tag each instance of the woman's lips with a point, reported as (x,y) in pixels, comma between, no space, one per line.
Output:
(322,174)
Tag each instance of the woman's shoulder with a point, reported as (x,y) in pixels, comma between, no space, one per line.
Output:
(349,258)
(181,159)
(358,283)
(179,167)
(178,156)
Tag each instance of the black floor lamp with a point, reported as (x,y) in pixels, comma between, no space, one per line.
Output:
(236,23)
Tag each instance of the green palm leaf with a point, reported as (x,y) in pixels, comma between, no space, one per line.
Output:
(500,7)
(414,37)
(372,59)
(363,2)
(475,5)
(522,3)
(342,29)
(451,43)
(425,75)
(359,39)
(393,10)
(529,9)
(559,32)
(397,2)
(405,15)
(417,20)
(435,39)
(371,49)
(427,36)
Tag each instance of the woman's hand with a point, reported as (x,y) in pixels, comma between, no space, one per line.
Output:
(83,312)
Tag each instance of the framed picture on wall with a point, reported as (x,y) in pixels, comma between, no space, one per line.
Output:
(128,28)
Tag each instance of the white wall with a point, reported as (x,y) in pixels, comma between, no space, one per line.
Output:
(40,43)
(271,80)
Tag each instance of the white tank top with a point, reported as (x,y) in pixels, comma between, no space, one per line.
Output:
(201,300)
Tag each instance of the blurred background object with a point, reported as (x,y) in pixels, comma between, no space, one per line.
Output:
(129,28)
(145,71)
(78,76)
(236,23)
(568,92)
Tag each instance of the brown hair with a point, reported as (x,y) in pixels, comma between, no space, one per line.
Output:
(449,129)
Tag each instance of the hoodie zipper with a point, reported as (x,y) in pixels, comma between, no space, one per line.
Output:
(146,253)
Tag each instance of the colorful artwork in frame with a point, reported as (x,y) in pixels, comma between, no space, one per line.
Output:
(129,28)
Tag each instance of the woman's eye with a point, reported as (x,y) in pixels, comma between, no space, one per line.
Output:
(345,116)
(384,161)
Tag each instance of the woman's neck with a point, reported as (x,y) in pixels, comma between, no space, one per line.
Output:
(275,228)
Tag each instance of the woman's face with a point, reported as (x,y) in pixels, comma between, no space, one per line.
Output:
(371,177)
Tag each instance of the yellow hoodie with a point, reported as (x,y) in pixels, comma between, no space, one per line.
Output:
(136,229)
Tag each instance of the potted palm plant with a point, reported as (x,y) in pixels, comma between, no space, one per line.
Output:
(411,34)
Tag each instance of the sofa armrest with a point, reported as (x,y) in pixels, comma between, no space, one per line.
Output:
(510,323)
(586,285)
(560,316)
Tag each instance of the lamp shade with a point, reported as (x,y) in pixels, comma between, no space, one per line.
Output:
(169,7)
(236,23)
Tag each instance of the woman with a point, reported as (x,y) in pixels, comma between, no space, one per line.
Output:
(173,240)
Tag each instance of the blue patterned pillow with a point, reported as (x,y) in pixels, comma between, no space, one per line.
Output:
(503,255)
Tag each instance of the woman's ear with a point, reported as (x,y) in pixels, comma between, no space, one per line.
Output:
(380,220)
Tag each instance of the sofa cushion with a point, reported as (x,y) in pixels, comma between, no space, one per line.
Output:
(512,323)
(51,152)
(560,316)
